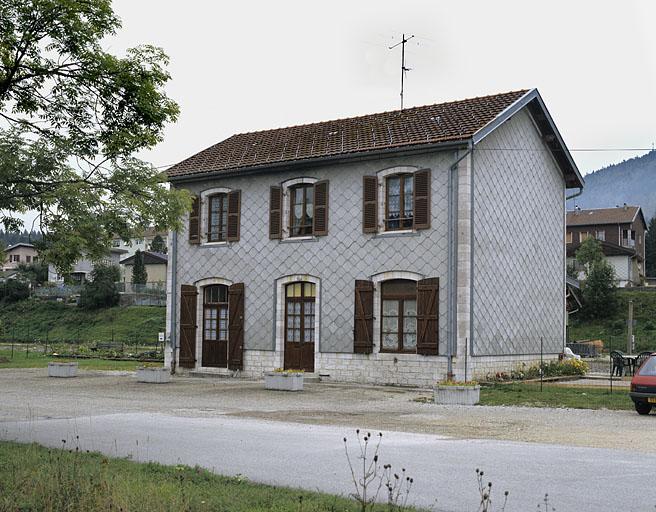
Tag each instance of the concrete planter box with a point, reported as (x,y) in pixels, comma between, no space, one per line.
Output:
(456,395)
(154,375)
(63,370)
(283,381)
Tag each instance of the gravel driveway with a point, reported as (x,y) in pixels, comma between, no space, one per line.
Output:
(29,394)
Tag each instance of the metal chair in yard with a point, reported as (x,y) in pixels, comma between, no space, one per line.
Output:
(618,363)
(641,359)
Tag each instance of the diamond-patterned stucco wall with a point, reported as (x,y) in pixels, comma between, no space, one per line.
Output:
(338,259)
(518,272)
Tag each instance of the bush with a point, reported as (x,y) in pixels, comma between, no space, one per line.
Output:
(558,368)
(101,291)
(14,290)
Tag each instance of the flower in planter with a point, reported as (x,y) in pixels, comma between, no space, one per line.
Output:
(468,383)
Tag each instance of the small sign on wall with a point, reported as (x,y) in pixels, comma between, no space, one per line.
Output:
(160,337)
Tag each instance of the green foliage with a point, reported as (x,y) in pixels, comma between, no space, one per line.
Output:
(73,116)
(37,478)
(36,273)
(650,249)
(599,292)
(139,274)
(35,319)
(589,253)
(158,245)
(14,290)
(101,291)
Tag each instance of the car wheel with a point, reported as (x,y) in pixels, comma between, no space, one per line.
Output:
(643,408)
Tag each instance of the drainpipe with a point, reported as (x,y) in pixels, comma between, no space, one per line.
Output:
(453,260)
(567,198)
(174,297)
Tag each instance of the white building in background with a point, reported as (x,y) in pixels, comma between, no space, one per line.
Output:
(142,244)
(82,268)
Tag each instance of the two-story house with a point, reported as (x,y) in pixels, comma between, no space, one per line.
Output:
(19,253)
(388,248)
(621,233)
(142,243)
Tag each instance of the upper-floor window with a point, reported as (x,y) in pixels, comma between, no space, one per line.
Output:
(569,237)
(217,218)
(116,243)
(301,209)
(628,238)
(396,199)
(298,208)
(15,257)
(28,259)
(600,234)
(399,203)
(583,236)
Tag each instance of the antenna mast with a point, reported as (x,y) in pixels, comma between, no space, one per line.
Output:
(403,68)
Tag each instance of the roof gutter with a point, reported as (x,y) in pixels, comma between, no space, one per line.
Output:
(315,162)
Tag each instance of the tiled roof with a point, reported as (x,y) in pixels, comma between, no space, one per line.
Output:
(608,248)
(149,257)
(597,216)
(444,122)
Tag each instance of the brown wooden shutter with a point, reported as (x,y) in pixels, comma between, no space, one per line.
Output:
(236,326)
(369,204)
(275,213)
(363,333)
(194,222)
(422,213)
(188,298)
(428,293)
(234,215)
(320,221)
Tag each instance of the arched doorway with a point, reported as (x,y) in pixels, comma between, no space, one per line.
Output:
(300,301)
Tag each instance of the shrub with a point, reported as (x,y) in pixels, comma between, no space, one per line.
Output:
(14,290)
(558,368)
(101,291)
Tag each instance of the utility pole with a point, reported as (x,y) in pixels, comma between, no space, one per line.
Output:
(404,40)
(629,339)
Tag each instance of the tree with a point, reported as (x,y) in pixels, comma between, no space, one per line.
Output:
(35,273)
(139,274)
(13,290)
(158,245)
(101,291)
(650,249)
(73,117)
(598,288)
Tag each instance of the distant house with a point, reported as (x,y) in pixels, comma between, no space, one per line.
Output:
(621,232)
(19,253)
(155,263)
(142,243)
(82,268)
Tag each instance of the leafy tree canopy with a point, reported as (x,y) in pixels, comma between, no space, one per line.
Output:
(589,253)
(101,291)
(72,116)
(158,245)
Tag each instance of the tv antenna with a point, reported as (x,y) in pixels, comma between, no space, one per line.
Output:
(403,68)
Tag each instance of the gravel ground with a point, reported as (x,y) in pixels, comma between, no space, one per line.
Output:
(30,394)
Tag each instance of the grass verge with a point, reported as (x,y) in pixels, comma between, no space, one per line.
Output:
(23,359)
(37,478)
(558,396)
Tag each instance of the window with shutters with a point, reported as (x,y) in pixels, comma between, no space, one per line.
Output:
(219,211)
(298,209)
(396,200)
(399,316)
(217,217)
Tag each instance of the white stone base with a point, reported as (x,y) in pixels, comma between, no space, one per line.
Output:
(62,370)
(282,381)
(456,395)
(154,375)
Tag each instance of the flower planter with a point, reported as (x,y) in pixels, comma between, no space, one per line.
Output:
(283,381)
(154,375)
(62,370)
(456,395)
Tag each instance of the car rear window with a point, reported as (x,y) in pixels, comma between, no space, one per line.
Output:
(649,367)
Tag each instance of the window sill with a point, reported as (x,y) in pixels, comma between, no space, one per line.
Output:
(298,239)
(400,232)
(215,244)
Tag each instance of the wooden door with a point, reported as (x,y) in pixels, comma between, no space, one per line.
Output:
(215,326)
(188,297)
(299,326)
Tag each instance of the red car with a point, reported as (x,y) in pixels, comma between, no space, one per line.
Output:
(643,386)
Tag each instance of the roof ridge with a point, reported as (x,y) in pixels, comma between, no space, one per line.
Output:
(384,112)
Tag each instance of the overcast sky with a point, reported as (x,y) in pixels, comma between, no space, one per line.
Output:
(245,65)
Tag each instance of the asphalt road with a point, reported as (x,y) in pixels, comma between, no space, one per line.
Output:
(577,479)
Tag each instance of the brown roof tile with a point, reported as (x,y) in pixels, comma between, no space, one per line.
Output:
(444,122)
(617,215)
